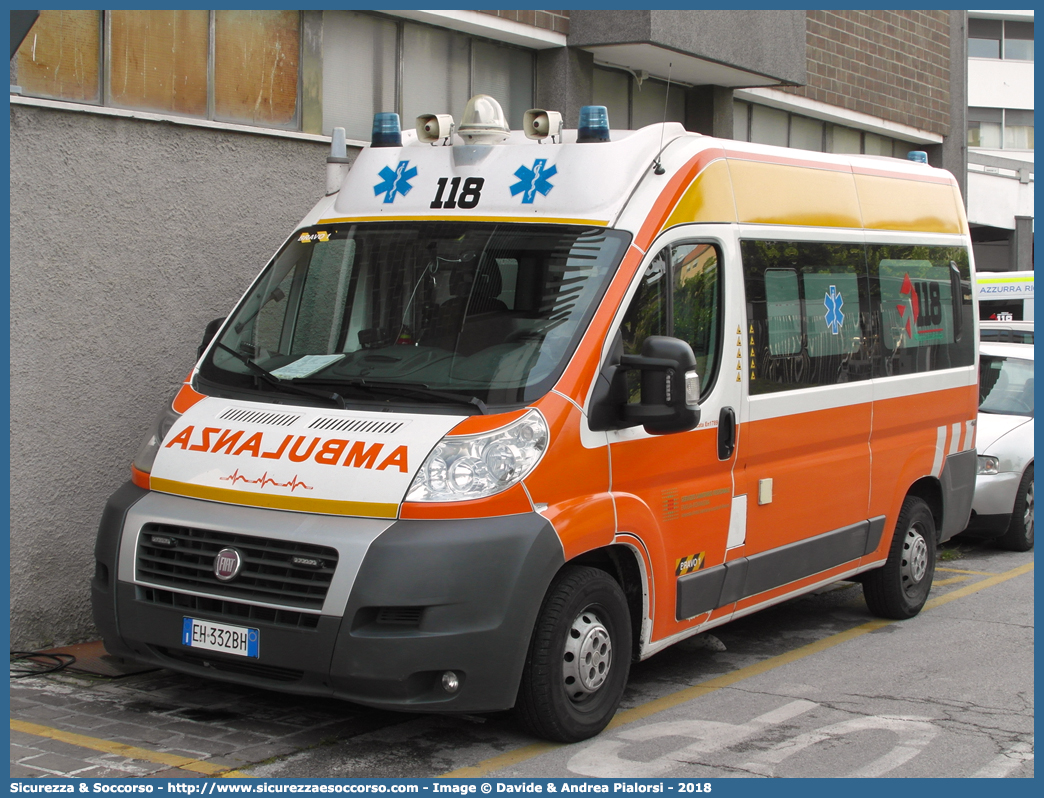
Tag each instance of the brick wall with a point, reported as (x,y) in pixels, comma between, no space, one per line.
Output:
(557,21)
(890,64)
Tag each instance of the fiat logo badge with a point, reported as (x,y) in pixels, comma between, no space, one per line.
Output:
(227,564)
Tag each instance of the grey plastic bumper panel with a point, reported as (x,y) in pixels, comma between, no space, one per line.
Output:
(747,576)
(408,601)
(958,491)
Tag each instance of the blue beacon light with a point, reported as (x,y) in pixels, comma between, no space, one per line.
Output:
(386,130)
(917,156)
(594,124)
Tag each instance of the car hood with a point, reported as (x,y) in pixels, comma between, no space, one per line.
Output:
(296,458)
(994,426)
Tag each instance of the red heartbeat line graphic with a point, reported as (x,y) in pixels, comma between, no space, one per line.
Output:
(264,479)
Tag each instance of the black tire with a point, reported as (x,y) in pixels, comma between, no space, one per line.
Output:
(584,619)
(900,587)
(1019,536)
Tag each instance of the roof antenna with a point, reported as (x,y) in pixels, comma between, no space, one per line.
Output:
(658,167)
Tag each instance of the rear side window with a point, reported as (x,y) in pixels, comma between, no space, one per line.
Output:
(807,314)
(829,313)
(922,308)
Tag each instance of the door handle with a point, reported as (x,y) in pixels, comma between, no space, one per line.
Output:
(726,433)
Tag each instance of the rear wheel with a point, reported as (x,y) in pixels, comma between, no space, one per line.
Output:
(1019,536)
(579,657)
(900,588)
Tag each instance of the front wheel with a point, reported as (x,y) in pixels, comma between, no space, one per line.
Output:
(900,587)
(1019,536)
(579,658)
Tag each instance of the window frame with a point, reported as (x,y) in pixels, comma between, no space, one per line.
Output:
(715,353)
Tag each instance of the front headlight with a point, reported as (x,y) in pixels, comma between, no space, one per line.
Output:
(987,465)
(160,427)
(464,467)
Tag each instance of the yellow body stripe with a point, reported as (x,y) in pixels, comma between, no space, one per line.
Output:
(296,503)
(445,218)
(781,194)
(894,204)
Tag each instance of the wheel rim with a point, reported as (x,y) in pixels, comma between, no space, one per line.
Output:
(915,557)
(588,656)
(1027,513)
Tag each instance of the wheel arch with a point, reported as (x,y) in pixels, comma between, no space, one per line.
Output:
(624,564)
(929,490)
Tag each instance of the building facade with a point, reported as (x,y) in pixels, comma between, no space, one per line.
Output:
(1000,139)
(158,158)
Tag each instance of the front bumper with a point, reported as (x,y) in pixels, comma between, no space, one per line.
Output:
(993,503)
(408,601)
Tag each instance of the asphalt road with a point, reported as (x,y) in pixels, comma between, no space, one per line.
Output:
(815,687)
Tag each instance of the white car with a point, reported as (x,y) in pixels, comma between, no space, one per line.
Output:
(1003,503)
(1014,332)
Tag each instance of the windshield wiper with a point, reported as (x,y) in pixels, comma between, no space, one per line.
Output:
(420,389)
(289,387)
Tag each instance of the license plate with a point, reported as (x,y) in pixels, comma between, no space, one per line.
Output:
(238,640)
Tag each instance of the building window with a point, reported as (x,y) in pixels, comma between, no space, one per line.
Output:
(999,128)
(632,105)
(373,63)
(234,66)
(764,125)
(246,67)
(61,57)
(994,38)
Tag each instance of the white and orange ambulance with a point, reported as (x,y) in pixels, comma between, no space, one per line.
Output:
(511,410)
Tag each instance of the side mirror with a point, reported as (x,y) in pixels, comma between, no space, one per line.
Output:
(670,389)
(208,335)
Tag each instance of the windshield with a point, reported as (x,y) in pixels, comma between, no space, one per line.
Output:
(487,312)
(1005,386)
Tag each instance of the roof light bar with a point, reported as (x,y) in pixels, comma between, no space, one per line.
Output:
(594,124)
(386,130)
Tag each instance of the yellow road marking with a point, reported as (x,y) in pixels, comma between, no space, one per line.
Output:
(974,587)
(493,764)
(951,580)
(130,751)
(960,571)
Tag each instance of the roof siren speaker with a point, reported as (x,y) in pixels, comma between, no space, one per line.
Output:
(434,127)
(483,121)
(540,124)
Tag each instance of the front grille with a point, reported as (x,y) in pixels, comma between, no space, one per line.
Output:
(245,667)
(243,416)
(231,611)
(184,559)
(357,425)
(400,616)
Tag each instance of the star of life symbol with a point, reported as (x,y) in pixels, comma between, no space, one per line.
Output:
(395,182)
(834,317)
(531,181)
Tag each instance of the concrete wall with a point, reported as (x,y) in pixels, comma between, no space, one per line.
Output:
(768,42)
(126,238)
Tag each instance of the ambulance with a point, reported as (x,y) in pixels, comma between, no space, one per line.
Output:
(512,410)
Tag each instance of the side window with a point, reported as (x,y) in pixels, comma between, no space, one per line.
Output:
(808,310)
(680,295)
(922,304)
(696,310)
